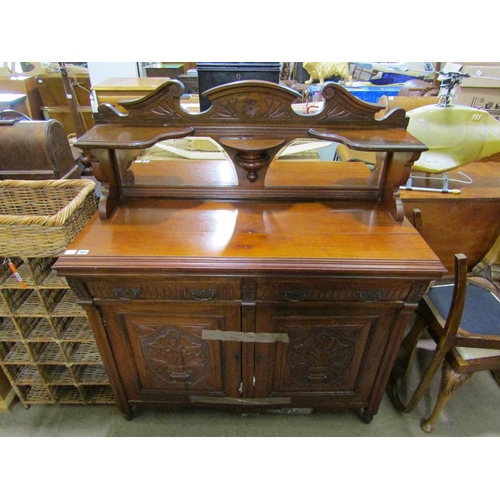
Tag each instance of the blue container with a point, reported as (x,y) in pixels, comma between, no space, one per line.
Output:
(367,93)
(372,93)
(391,78)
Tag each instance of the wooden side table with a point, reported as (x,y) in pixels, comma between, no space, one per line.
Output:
(17,102)
(24,85)
(165,70)
(114,90)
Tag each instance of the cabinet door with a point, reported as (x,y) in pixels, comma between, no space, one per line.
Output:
(160,353)
(334,352)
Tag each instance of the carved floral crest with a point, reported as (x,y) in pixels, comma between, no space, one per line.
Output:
(173,355)
(246,101)
(324,356)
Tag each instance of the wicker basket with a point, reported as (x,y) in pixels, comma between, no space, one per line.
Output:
(40,218)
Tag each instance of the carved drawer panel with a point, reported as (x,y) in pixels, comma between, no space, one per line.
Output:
(331,290)
(192,289)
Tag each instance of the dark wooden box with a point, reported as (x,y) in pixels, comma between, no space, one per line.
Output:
(165,70)
(213,74)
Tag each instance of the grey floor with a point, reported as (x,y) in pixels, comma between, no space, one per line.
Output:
(329,463)
(474,411)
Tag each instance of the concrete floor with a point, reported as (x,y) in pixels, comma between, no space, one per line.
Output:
(474,411)
(329,462)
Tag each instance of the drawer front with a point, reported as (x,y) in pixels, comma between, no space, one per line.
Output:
(332,290)
(186,289)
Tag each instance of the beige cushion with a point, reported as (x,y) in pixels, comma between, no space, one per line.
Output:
(469,353)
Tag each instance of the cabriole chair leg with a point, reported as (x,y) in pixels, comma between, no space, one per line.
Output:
(450,382)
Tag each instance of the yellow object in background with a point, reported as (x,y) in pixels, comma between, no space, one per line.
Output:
(455,135)
(322,70)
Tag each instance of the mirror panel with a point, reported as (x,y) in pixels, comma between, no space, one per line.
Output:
(190,161)
(318,163)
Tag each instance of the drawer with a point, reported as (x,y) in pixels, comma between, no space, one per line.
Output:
(318,290)
(191,289)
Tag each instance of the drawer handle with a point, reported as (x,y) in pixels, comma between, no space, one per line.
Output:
(316,377)
(203,294)
(180,375)
(294,295)
(126,293)
(369,295)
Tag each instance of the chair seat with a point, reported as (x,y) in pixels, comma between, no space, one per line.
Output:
(470,353)
(466,353)
(481,315)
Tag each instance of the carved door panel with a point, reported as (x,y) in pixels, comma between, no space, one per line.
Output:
(330,352)
(161,355)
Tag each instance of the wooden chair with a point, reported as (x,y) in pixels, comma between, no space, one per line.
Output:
(463,319)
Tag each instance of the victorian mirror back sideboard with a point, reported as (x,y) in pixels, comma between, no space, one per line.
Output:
(234,262)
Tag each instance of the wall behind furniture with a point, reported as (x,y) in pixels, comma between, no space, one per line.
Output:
(100,71)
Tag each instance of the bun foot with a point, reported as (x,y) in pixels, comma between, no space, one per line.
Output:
(366,417)
(129,415)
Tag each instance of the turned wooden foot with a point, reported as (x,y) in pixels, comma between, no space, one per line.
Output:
(366,416)
(129,415)
(496,376)
(450,382)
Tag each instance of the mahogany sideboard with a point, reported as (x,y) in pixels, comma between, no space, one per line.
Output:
(233,265)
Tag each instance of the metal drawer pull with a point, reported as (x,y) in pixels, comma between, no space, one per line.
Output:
(203,294)
(126,293)
(369,295)
(294,295)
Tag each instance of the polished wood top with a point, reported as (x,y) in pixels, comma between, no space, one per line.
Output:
(103,137)
(206,236)
(368,140)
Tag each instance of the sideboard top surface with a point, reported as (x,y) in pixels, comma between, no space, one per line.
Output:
(158,234)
